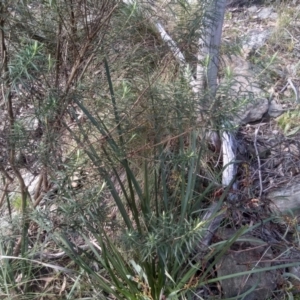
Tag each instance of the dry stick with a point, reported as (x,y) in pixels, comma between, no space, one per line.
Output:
(294,89)
(38,200)
(258,161)
(43,180)
(89,60)
(229,171)
(38,187)
(84,49)
(176,52)
(4,193)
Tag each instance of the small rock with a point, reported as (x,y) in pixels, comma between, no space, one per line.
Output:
(242,257)
(245,86)
(77,178)
(75,181)
(252,9)
(255,39)
(292,70)
(275,109)
(273,16)
(286,198)
(265,13)
(253,112)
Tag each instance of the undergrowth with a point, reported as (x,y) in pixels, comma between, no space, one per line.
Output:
(121,207)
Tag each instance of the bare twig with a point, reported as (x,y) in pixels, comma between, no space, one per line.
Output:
(4,194)
(258,161)
(294,89)
(38,200)
(38,186)
(177,53)
(229,165)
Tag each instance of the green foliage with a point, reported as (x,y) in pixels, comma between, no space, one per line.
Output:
(114,108)
(289,122)
(16,203)
(15,274)
(27,64)
(151,255)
